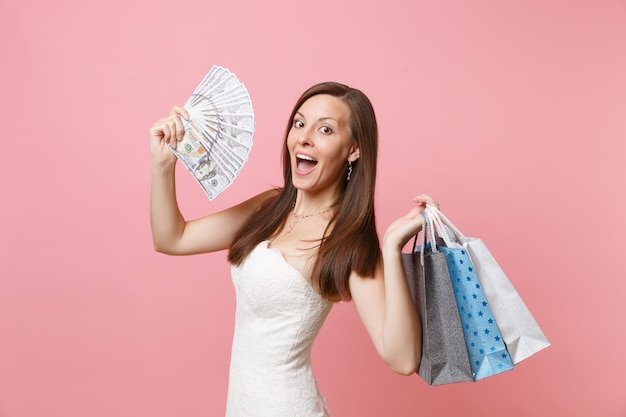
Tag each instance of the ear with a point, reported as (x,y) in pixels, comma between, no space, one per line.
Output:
(354,153)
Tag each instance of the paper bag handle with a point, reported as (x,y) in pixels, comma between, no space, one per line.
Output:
(428,226)
(441,221)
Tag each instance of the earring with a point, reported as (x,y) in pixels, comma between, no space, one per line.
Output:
(349,170)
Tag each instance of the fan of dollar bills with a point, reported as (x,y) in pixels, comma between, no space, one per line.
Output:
(218,135)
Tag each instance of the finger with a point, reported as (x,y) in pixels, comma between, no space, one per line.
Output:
(170,131)
(177,114)
(184,113)
(173,133)
(156,131)
(425,200)
(179,129)
(180,112)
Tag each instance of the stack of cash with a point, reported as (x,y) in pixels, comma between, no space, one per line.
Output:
(218,134)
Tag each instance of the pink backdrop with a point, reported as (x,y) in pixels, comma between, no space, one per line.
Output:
(512,114)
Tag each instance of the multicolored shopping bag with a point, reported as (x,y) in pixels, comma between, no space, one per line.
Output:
(521,332)
(486,349)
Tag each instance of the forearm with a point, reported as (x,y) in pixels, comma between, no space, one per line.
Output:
(166,221)
(401,327)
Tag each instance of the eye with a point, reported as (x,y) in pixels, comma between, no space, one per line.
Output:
(326,130)
(298,123)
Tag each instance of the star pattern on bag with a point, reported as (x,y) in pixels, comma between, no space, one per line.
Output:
(486,349)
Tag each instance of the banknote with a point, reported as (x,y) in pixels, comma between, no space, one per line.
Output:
(219,133)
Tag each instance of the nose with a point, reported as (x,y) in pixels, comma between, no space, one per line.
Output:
(304,137)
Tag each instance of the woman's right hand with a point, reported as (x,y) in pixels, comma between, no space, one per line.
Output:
(167,131)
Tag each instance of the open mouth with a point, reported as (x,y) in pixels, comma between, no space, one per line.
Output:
(305,163)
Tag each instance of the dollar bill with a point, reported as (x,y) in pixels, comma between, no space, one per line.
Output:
(219,133)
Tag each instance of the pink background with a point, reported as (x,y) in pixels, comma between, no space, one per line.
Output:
(512,114)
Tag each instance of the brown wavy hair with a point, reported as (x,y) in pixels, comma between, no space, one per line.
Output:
(351,241)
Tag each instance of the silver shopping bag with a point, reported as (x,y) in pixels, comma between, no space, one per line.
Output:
(444,354)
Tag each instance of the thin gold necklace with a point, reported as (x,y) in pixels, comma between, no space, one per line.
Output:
(297,218)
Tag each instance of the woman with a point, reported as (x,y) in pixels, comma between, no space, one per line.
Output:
(296,250)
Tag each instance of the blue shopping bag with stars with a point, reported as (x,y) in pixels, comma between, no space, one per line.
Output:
(485,346)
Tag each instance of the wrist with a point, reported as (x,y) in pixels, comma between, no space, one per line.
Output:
(163,167)
(390,246)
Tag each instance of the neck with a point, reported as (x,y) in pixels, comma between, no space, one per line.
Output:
(307,204)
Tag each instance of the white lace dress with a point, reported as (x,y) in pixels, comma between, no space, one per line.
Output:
(278,317)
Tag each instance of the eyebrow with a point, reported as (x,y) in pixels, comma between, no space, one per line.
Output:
(321,118)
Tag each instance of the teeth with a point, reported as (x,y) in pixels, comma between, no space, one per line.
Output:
(305,157)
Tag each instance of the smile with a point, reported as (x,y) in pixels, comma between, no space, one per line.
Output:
(305,163)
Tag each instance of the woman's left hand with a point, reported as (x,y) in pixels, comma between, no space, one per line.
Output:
(407,226)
